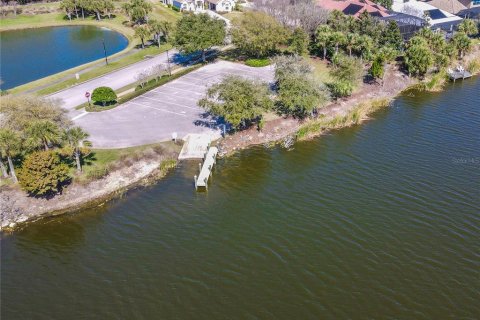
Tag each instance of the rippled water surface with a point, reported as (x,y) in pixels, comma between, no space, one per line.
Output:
(379,221)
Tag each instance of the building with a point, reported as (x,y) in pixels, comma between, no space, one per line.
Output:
(434,17)
(454,6)
(354,7)
(201,5)
(221,5)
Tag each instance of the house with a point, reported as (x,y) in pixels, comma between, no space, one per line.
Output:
(354,7)
(453,6)
(201,5)
(433,16)
(187,5)
(221,5)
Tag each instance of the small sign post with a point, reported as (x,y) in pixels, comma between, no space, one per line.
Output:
(87,95)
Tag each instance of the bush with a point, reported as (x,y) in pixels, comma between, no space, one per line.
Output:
(104,95)
(43,174)
(340,88)
(257,62)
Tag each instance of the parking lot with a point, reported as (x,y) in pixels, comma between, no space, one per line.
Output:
(155,115)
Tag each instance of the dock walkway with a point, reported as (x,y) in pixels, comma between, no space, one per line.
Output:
(206,169)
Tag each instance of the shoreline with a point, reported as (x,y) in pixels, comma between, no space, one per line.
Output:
(338,114)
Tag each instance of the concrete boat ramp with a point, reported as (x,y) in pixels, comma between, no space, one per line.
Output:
(197,146)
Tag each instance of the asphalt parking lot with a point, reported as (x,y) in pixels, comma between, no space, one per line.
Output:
(155,115)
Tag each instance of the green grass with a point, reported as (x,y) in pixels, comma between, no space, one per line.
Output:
(161,12)
(233,15)
(100,162)
(321,70)
(96,72)
(257,63)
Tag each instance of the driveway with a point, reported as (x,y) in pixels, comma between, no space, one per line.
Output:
(155,115)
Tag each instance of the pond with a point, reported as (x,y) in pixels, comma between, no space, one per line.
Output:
(30,54)
(378,221)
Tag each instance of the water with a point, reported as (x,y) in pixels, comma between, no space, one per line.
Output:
(379,221)
(31,54)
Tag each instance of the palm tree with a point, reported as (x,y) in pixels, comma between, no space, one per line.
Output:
(76,138)
(142,32)
(469,27)
(156,29)
(9,146)
(322,38)
(462,43)
(351,40)
(42,133)
(336,39)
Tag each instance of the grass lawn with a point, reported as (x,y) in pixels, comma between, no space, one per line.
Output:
(164,13)
(321,70)
(100,160)
(232,15)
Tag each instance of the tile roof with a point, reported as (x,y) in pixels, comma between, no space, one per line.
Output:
(354,7)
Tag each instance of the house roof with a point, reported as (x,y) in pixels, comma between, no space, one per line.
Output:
(354,7)
(452,6)
(421,9)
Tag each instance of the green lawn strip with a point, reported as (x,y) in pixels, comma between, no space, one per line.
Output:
(152,84)
(257,63)
(100,162)
(162,12)
(102,70)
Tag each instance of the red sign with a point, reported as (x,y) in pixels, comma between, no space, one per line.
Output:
(87,94)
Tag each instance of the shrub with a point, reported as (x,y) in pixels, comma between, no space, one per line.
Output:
(257,62)
(340,88)
(104,95)
(43,174)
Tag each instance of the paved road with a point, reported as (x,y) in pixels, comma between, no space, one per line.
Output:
(75,96)
(155,115)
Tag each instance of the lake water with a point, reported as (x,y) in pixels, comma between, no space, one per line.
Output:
(31,54)
(379,221)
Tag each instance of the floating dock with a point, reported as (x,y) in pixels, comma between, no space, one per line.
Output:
(206,169)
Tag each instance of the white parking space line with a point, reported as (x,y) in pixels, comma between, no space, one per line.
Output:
(168,102)
(192,84)
(174,88)
(79,116)
(168,111)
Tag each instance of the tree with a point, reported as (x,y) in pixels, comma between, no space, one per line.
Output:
(9,146)
(107,8)
(69,7)
(299,93)
(348,69)
(42,173)
(42,133)
(104,95)
(77,141)
(322,36)
(167,28)
(138,10)
(418,56)
(157,30)
(340,88)
(377,68)
(391,36)
(299,41)
(462,43)
(199,32)
(352,40)
(257,34)
(469,27)
(142,32)
(337,38)
(19,111)
(96,6)
(385,3)
(239,101)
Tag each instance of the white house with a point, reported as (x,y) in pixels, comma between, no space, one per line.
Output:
(201,5)
(221,5)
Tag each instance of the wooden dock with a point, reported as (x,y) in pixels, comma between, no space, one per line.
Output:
(206,169)
(459,74)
